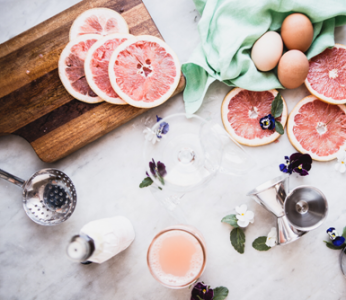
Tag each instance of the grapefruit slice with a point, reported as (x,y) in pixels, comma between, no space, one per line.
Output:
(71,68)
(101,21)
(241,111)
(96,66)
(144,71)
(327,75)
(317,128)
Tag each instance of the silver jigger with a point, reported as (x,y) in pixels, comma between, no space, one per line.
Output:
(306,207)
(272,195)
(286,233)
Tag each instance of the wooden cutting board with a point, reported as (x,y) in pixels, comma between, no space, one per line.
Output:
(33,102)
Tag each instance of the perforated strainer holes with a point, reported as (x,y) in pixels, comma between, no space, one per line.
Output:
(55,196)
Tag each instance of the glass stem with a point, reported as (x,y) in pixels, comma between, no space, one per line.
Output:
(171,202)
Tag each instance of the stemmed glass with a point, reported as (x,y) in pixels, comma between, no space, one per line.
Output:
(193,151)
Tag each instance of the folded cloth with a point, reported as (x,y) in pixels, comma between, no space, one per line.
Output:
(228,30)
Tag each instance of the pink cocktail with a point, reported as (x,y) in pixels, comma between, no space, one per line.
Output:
(177,256)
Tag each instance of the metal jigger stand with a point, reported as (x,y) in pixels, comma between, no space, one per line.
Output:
(297,212)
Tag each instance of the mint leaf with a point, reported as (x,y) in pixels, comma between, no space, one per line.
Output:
(231,220)
(279,128)
(238,239)
(220,293)
(277,106)
(260,244)
(146,182)
(331,246)
(344,233)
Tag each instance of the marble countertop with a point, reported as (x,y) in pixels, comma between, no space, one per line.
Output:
(107,173)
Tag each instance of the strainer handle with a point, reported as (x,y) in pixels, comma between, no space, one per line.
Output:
(11,178)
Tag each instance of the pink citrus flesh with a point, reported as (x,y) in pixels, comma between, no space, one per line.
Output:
(101,21)
(145,72)
(318,128)
(241,114)
(97,64)
(327,75)
(71,68)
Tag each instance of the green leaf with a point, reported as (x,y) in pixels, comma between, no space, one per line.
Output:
(231,220)
(146,182)
(260,244)
(220,293)
(277,106)
(238,239)
(279,128)
(344,233)
(331,246)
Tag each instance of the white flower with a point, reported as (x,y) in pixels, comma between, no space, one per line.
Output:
(271,238)
(341,164)
(150,135)
(244,216)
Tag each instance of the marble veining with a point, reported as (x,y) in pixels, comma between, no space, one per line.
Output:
(107,173)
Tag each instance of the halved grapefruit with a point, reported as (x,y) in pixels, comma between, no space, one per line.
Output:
(71,68)
(96,66)
(144,71)
(241,111)
(317,128)
(327,75)
(101,21)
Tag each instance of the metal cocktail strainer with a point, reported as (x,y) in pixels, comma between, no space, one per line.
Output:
(49,196)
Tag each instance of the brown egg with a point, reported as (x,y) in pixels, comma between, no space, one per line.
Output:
(297,32)
(293,68)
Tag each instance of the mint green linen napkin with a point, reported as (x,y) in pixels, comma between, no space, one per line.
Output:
(229,28)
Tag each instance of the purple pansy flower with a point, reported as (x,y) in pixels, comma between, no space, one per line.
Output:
(301,163)
(161,169)
(152,166)
(297,163)
(157,170)
(201,292)
(267,122)
(163,128)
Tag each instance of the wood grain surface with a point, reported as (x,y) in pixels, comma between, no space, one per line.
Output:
(33,102)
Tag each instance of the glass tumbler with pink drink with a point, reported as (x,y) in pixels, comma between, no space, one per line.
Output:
(177,256)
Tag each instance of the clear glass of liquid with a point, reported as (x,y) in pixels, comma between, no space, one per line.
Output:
(177,256)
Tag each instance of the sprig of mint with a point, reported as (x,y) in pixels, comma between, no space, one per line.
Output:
(260,244)
(238,239)
(331,246)
(237,235)
(276,111)
(220,293)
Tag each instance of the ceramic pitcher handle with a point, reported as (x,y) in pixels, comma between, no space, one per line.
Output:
(11,178)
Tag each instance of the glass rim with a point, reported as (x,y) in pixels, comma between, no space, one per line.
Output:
(201,243)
